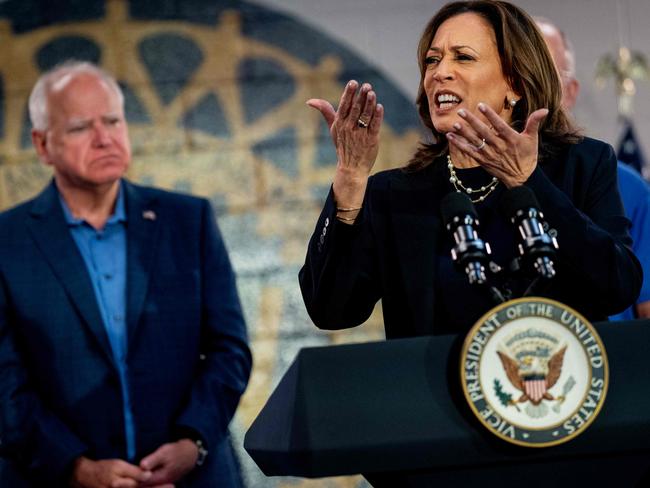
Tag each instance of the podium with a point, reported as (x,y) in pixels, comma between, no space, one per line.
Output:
(394,412)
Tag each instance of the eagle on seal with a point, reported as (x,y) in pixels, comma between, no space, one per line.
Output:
(532,377)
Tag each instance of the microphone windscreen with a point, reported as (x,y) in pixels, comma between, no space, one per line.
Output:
(455,204)
(517,198)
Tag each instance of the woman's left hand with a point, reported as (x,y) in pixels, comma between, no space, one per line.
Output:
(509,155)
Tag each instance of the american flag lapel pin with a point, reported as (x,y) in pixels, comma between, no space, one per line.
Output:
(149,215)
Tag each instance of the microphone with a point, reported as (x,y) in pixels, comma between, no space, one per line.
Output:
(537,247)
(470,253)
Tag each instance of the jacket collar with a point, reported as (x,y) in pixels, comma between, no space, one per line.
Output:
(144,217)
(50,231)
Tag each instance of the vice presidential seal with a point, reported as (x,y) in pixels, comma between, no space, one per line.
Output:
(534,372)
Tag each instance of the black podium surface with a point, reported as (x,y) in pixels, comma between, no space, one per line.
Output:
(394,411)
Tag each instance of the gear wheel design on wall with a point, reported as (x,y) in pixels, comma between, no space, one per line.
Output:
(227,97)
(215,96)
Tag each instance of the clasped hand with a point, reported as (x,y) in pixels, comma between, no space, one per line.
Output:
(166,465)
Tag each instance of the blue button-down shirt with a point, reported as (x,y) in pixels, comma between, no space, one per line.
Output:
(104,252)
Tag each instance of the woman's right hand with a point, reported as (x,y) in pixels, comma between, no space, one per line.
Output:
(356,145)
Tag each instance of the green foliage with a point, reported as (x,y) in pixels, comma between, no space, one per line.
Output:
(504,398)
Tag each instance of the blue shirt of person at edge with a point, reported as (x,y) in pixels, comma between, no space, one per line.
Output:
(104,253)
(635,193)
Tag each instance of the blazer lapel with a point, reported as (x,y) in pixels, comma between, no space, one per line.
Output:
(415,204)
(142,231)
(49,230)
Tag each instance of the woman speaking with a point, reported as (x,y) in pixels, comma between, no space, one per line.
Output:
(490,95)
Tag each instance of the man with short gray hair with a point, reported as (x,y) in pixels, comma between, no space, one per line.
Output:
(123,348)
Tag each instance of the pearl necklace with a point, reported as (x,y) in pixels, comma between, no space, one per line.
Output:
(458,185)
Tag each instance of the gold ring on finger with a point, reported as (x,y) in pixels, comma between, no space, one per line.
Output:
(362,123)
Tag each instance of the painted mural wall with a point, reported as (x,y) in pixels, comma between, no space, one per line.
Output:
(215,98)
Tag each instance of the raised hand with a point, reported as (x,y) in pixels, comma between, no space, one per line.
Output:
(354,128)
(509,155)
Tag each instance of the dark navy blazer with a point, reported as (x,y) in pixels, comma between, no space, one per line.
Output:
(390,252)
(188,360)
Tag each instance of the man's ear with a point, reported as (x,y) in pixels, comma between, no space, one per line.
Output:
(39,140)
(571,92)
